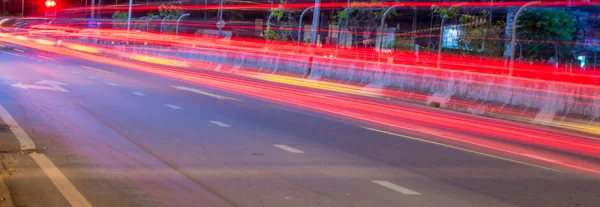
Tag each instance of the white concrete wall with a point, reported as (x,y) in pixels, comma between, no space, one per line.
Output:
(547,99)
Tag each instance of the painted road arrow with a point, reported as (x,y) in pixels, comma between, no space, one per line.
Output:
(51,85)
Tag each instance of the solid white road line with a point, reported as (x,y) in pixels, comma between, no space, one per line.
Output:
(112,84)
(218,123)
(66,188)
(24,139)
(395,187)
(138,94)
(288,148)
(91,77)
(539,157)
(172,106)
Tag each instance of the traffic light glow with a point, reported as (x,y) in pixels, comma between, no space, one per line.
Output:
(50,3)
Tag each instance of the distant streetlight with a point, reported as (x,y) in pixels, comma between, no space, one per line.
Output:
(177,23)
(300,23)
(380,39)
(148,23)
(514,35)
(439,60)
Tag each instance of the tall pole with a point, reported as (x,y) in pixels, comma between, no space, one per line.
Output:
(162,22)
(491,8)
(148,23)
(92,10)
(300,23)
(99,9)
(439,60)
(514,35)
(414,26)
(221,16)
(337,39)
(315,23)
(380,39)
(22,8)
(128,20)
(177,23)
(129,16)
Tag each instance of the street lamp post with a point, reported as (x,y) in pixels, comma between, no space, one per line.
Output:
(514,35)
(138,20)
(177,23)
(92,10)
(128,15)
(149,20)
(439,60)
(128,18)
(340,25)
(300,23)
(220,18)
(315,23)
(380,39)
(162,22)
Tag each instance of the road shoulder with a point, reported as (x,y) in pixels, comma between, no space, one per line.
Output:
(22,182)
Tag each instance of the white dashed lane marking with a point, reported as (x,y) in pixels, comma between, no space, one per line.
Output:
(218,123)
(395,187)
(172,106)
(112,84)
(288,148)
(91,77)
(138,94)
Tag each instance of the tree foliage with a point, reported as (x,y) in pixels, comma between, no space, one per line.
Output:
(475,36)
(363,20)
(284,24)
(121,16)
(172,9)
(232,15)
(400,44)
(543,33)
(477,39)
(119,19)
(446,13)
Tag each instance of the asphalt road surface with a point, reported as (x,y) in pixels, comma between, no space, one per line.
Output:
(120,137)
